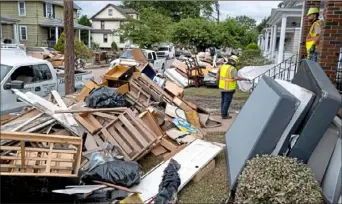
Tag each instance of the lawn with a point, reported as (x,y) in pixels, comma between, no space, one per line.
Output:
(213,188)
(213,92)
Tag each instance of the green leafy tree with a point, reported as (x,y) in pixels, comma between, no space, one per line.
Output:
(151,28)
(263,24)
(176,10)
(114,46)
(246,21)
(80,49)
(84,20)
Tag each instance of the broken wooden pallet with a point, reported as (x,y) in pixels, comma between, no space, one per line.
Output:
(59,156)
(129,134)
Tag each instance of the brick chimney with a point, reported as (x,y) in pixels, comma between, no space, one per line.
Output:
(331,37)
(307,24)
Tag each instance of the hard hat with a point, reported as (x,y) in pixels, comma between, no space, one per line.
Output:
(312,11)
(234,58)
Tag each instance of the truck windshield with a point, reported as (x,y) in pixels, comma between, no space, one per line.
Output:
(4,69)
(163,49)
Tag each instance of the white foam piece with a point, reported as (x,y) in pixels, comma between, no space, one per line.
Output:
(305,97)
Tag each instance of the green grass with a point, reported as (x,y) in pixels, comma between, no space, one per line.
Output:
(213,188)
(212,93)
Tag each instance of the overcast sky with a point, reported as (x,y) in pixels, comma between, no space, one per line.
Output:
(255,9)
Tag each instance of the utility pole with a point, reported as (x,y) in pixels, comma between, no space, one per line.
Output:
(69,59)
(217,7)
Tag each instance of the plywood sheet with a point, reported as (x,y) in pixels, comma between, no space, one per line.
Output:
(259,126)
(192,159)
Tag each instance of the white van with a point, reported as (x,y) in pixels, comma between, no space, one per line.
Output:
(166,51)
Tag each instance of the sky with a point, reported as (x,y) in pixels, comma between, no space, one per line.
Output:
(255,9)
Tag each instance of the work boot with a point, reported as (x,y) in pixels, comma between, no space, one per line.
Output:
(226,117)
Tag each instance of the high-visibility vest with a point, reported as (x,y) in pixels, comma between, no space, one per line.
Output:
(226,78)
(309,40)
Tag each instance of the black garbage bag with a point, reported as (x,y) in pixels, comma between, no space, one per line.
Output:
(168,187)
(124,173)
(105,97)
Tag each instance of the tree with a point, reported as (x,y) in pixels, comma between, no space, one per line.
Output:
(114,46)
(150,29)
(176,10)
(263,24)
(84,20)
(246,21)
(80,49)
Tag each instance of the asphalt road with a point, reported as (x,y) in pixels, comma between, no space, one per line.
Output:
(98,72)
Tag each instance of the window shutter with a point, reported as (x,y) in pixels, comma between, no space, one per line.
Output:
(53,11)
(44,5)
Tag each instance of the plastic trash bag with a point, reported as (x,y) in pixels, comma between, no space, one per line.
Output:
(124,173)
(105,97)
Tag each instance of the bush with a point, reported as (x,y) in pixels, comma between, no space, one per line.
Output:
(114,46)
(80,49)
(252,53)
(252,46)
(277,179)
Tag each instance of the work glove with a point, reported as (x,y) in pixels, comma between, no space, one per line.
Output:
(313,48)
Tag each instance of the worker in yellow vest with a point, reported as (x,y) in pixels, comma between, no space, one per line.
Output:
(312,39)
(227,77)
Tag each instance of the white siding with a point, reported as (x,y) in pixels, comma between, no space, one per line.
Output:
(116,13)
(296,41)
(112,25)
(98,38)
(96,24)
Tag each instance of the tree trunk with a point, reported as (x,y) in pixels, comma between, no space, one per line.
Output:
(69,61)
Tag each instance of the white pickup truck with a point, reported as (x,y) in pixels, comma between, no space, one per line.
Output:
(128,59)
(31,74)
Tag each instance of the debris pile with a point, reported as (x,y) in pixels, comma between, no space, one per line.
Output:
(100,133)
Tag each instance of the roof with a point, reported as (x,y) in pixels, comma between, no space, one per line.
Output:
(123,11)
(277,12)
(60,23)
(8,19)
(24,60)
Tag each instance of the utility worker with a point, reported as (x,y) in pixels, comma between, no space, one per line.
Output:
(312,39)
(227,77)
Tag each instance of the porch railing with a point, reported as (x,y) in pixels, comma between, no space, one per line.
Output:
(338,78)
(283,71)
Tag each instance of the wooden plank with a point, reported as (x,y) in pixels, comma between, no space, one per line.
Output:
(88,87)
(86,124)
(125,153)
(141,126)
(129,138)
(93,121)
(61,104)
(168,145)
(22,152)
(39,174)
(158,150)
(133,130)
(37,149)
(104,115)
(98,140)
(34,137)
(173,153)
(91,110)
(116,139)
(204,171)
(48,163)
(27,122)
(151,123)
(33,167)
(36,158)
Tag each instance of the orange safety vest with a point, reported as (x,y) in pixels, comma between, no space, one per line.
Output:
(311,35)
(226,78)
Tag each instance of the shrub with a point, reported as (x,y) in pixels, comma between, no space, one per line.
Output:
(252,46)
(114,46)
(277,179)
(80,49)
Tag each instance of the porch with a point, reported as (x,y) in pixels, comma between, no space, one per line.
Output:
(55,27)
(9,32)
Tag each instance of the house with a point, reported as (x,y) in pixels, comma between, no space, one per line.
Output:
(34,23)
(106,24)
(281,38)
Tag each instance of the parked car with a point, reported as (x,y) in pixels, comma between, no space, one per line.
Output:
(128,59)
(166,51)
(35,75)
(39,52)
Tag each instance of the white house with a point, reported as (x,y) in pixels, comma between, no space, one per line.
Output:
(107,22)
(281,38)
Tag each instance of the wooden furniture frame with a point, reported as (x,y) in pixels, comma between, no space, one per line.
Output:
(60,158)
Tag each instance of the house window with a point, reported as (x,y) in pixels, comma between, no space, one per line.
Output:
(48,10)
(105,38)
(23,32)
(102,25)
(110,12)
(22,8)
